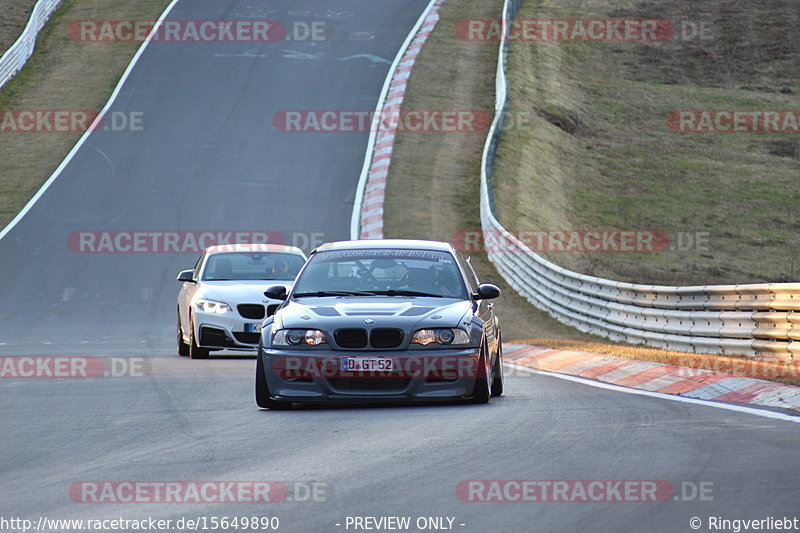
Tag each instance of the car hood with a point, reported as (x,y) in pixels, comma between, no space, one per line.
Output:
(392,311)
(238,291)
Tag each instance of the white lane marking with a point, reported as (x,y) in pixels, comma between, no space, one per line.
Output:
(108,160)
(362,35)
(243,54)
(69,292)
(617,388)
(91,128)
(294,54)
(370,57)
(355,218)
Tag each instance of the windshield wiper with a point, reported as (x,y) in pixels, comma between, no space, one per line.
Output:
(393,292)
(332,293)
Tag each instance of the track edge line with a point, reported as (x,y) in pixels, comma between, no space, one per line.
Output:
(619,388)
(46,185)
(355,218)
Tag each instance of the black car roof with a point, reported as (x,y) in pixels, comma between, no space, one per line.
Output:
(403,244)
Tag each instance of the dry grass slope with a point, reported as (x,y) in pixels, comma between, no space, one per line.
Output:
(434,181)
(433,184)
(66,75)
(15,14)
(598,154)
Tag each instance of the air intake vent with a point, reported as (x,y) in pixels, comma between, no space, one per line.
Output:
(247,338)
(370,385)
(351,338)
(251,311)
(385,338)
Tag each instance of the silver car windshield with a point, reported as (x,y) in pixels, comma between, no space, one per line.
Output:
(252,266)
(382,271)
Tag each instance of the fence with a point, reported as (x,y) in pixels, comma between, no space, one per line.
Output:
(756,320)
(16,56)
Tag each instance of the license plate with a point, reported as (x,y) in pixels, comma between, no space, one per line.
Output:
(252,328)
(367,364)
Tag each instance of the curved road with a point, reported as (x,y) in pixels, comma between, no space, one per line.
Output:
(209,159)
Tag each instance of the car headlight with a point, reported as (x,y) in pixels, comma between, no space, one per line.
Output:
(210,306)
(298,337)
(440,336)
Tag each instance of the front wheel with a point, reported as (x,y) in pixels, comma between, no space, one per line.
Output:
(483,380)
(183,348)
(196,352)
(497,372)
(263,394)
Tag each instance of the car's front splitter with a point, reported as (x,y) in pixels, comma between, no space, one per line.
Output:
(439,375)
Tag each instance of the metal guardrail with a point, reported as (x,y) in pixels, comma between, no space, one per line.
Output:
(756,320)
(15,57)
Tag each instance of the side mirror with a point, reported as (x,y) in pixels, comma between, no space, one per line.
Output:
(186,275)
(276,292)
(486,291)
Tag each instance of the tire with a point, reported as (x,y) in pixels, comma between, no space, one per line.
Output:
(497,372)
(183,348)
(263,394)
(481,393)
(195,352)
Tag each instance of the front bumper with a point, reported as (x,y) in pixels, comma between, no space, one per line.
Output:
(419,375)
(226,330)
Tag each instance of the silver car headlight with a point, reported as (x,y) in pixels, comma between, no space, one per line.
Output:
(298,337)
(444,336)
(210,306)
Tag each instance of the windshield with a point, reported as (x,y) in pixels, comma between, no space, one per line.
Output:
(383,271)
(252,266)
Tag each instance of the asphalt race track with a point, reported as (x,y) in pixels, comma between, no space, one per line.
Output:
(209,159)
(387,461)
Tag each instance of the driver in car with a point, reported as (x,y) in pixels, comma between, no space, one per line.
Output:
(446,283)
(280,269)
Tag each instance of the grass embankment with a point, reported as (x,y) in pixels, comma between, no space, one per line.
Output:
(62,74)
(432,190)
(15,16)
(598,152)
(436,196)
(433,184)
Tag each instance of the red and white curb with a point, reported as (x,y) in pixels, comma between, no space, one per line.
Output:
(657,377)
(375,189)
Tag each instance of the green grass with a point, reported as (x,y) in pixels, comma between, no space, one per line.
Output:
(61,75)
(15,16)
(618,165)
(433,185)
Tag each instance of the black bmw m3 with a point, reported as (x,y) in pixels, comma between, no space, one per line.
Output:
(381,321)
